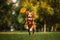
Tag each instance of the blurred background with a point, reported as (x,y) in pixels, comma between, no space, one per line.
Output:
(47,15)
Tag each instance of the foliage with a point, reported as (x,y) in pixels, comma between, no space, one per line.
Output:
(45,10)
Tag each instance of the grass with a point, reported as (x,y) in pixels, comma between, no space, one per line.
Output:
(25,36)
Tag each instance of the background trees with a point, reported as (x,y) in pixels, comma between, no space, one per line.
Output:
(47,14)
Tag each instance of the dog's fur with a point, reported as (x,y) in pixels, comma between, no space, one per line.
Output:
(30,24)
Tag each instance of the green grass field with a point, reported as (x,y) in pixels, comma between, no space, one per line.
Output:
(25,36)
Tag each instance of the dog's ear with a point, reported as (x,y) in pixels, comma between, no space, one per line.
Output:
(27,12)
(32,12)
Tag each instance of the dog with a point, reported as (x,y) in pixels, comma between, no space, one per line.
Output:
(30,23)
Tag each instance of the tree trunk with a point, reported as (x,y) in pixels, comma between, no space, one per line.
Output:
(56,28)
(53,28)
(42,29)
(12,28)
(45,27)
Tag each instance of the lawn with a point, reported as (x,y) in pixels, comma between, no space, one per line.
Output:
(25,36)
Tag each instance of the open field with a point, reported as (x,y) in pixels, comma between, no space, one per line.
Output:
(25,36)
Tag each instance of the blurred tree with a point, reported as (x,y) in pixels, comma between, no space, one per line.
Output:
(55,19)
(5,19)
(8,15)
(47,13)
